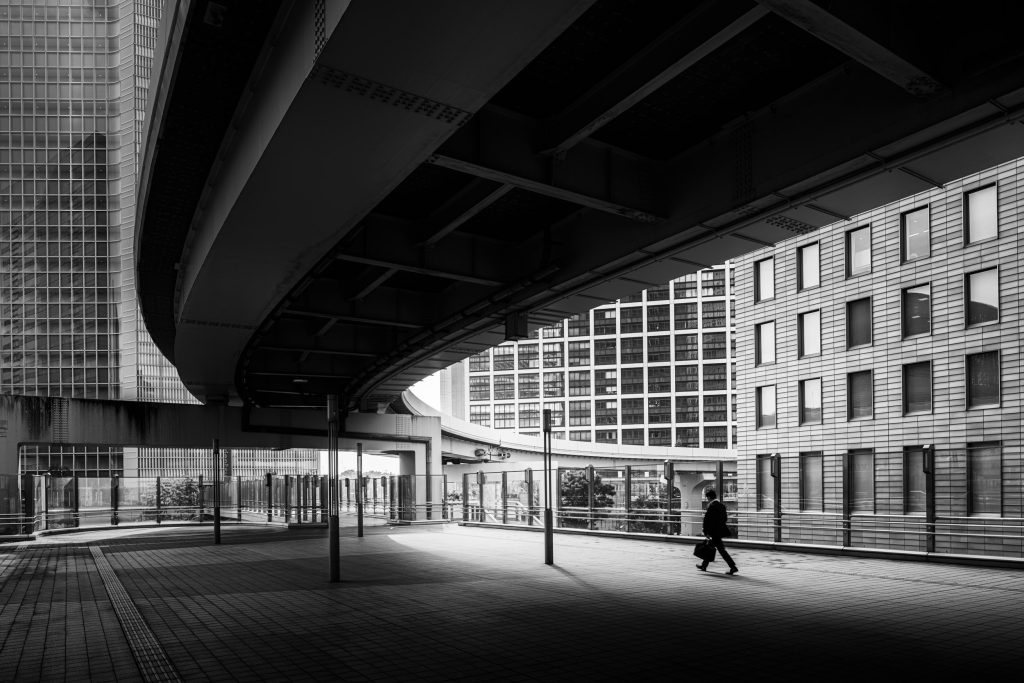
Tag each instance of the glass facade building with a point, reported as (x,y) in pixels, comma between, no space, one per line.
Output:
(74,80)
(653,369)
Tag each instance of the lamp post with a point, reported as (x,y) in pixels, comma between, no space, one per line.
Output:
(216,491)
(359,489)
(549,550)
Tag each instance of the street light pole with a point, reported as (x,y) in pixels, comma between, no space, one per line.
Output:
(549,545)
(216,491)
(359,490)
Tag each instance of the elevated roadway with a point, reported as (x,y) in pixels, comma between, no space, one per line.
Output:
(344,197)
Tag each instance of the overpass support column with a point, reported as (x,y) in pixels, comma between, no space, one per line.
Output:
(333,430)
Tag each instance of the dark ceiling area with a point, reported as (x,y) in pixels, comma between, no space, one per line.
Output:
(641,134)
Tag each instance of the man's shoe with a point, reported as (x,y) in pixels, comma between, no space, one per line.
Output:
(701,567)
(734,570)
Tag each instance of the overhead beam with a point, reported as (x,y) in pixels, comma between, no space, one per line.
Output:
(419,270)
(592,112)
(351,319)
(452,215)
(834,32)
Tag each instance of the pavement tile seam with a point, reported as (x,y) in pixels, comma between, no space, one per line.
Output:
(144,646)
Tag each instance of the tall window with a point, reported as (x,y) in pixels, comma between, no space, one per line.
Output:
(554,355)
(504,387)
(479,388)
(917,387)
(579,353)
(982,215)
(557,409)
(632,380)
(983,379)
(659,380)
(810,401)
(862,480)
(764,279)
(810,333)
(686,378)
(579,413)
(916,233)
(554,384)
(529,385)
(579,383)
(858,251)
(764,343)
(859,395)
(713,345)
(917,310)
(765,483)
(914,482)
(982,294)
(766,406)
(984,464)
(809,263)
(687,409)
(858,323)
(659,348)
(812,489)
(529,415)
(686,347)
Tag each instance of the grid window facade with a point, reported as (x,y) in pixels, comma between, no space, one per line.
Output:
(554,355)
(659,380)
(479,388)
(659,348)
(605,321)
(687,347)
(605,352)
(632,380)
(631,320)
(529,385)
(714,345)
(687,377)
(504,387)
(713,314)
(631,350)
(529,358)
(712,282)
(659,319)
(688,437)
(504,358)
(554,384)
(579,413)
(579,354)
(632,411)
(659,410)
(606,382)
(686,316)
(579,325)
(579,383)
(606,412)
(480,415)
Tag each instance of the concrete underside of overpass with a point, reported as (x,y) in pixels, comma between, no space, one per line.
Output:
(348,201)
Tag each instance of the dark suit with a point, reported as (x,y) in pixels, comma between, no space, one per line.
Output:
(715,527)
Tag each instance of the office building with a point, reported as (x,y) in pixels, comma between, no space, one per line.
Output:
(653,369)
(74,80)
(879,375)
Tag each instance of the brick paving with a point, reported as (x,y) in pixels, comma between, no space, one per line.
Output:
(450,603)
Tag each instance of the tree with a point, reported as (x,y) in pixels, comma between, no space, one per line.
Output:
(575,493)
(659,501)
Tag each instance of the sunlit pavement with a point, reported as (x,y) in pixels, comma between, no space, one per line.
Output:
(450,603)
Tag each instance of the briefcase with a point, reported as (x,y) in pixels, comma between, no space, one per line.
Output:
(705,551)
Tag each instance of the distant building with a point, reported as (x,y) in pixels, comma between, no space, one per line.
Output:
(879,375)
(653,369)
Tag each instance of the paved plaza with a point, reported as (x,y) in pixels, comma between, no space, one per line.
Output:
(451,603)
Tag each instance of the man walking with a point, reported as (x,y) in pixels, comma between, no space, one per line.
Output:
(715,528)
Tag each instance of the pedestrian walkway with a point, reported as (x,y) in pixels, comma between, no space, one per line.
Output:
(450,603)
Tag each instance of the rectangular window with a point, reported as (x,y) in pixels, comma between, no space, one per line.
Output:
(579,413)
(480,362)
(658,319)
(551,332)
(687,409)
(504,387)
(479,388)
(686,316)
(916,232)
(809,262)
(985,467)
(982,295)
(632,412)
(712,283)
(810,401)
(529,359)
(606,436)
(606,412)
(606,382)
(983,379)
(862,480)
(716,408)
(716,377)
(982,215)
(554,384)
(913,480)
(765,483)
(633,437)
(579,353)
(631,350)
(529,385)
(529,415)
(917,388)
(480,415)
(631,320)
(858,323)
(812,489)
(579,325)
(659,437)
(659,380)
(605,352)
(688,437)
(917,310)
(764,343)
(632,380)
(859,395)
(504,358)
(810,333)
(765,406)
(505,416)
(713,314)
(686,288)
(554,355)
(557,409)
(686,378)
(858,251)
(659,293)
(579,435)
(605,322)
(714,345)
(716,437)
(579,383)
(659,410)
(764,280)
(686,347)
(659,348)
